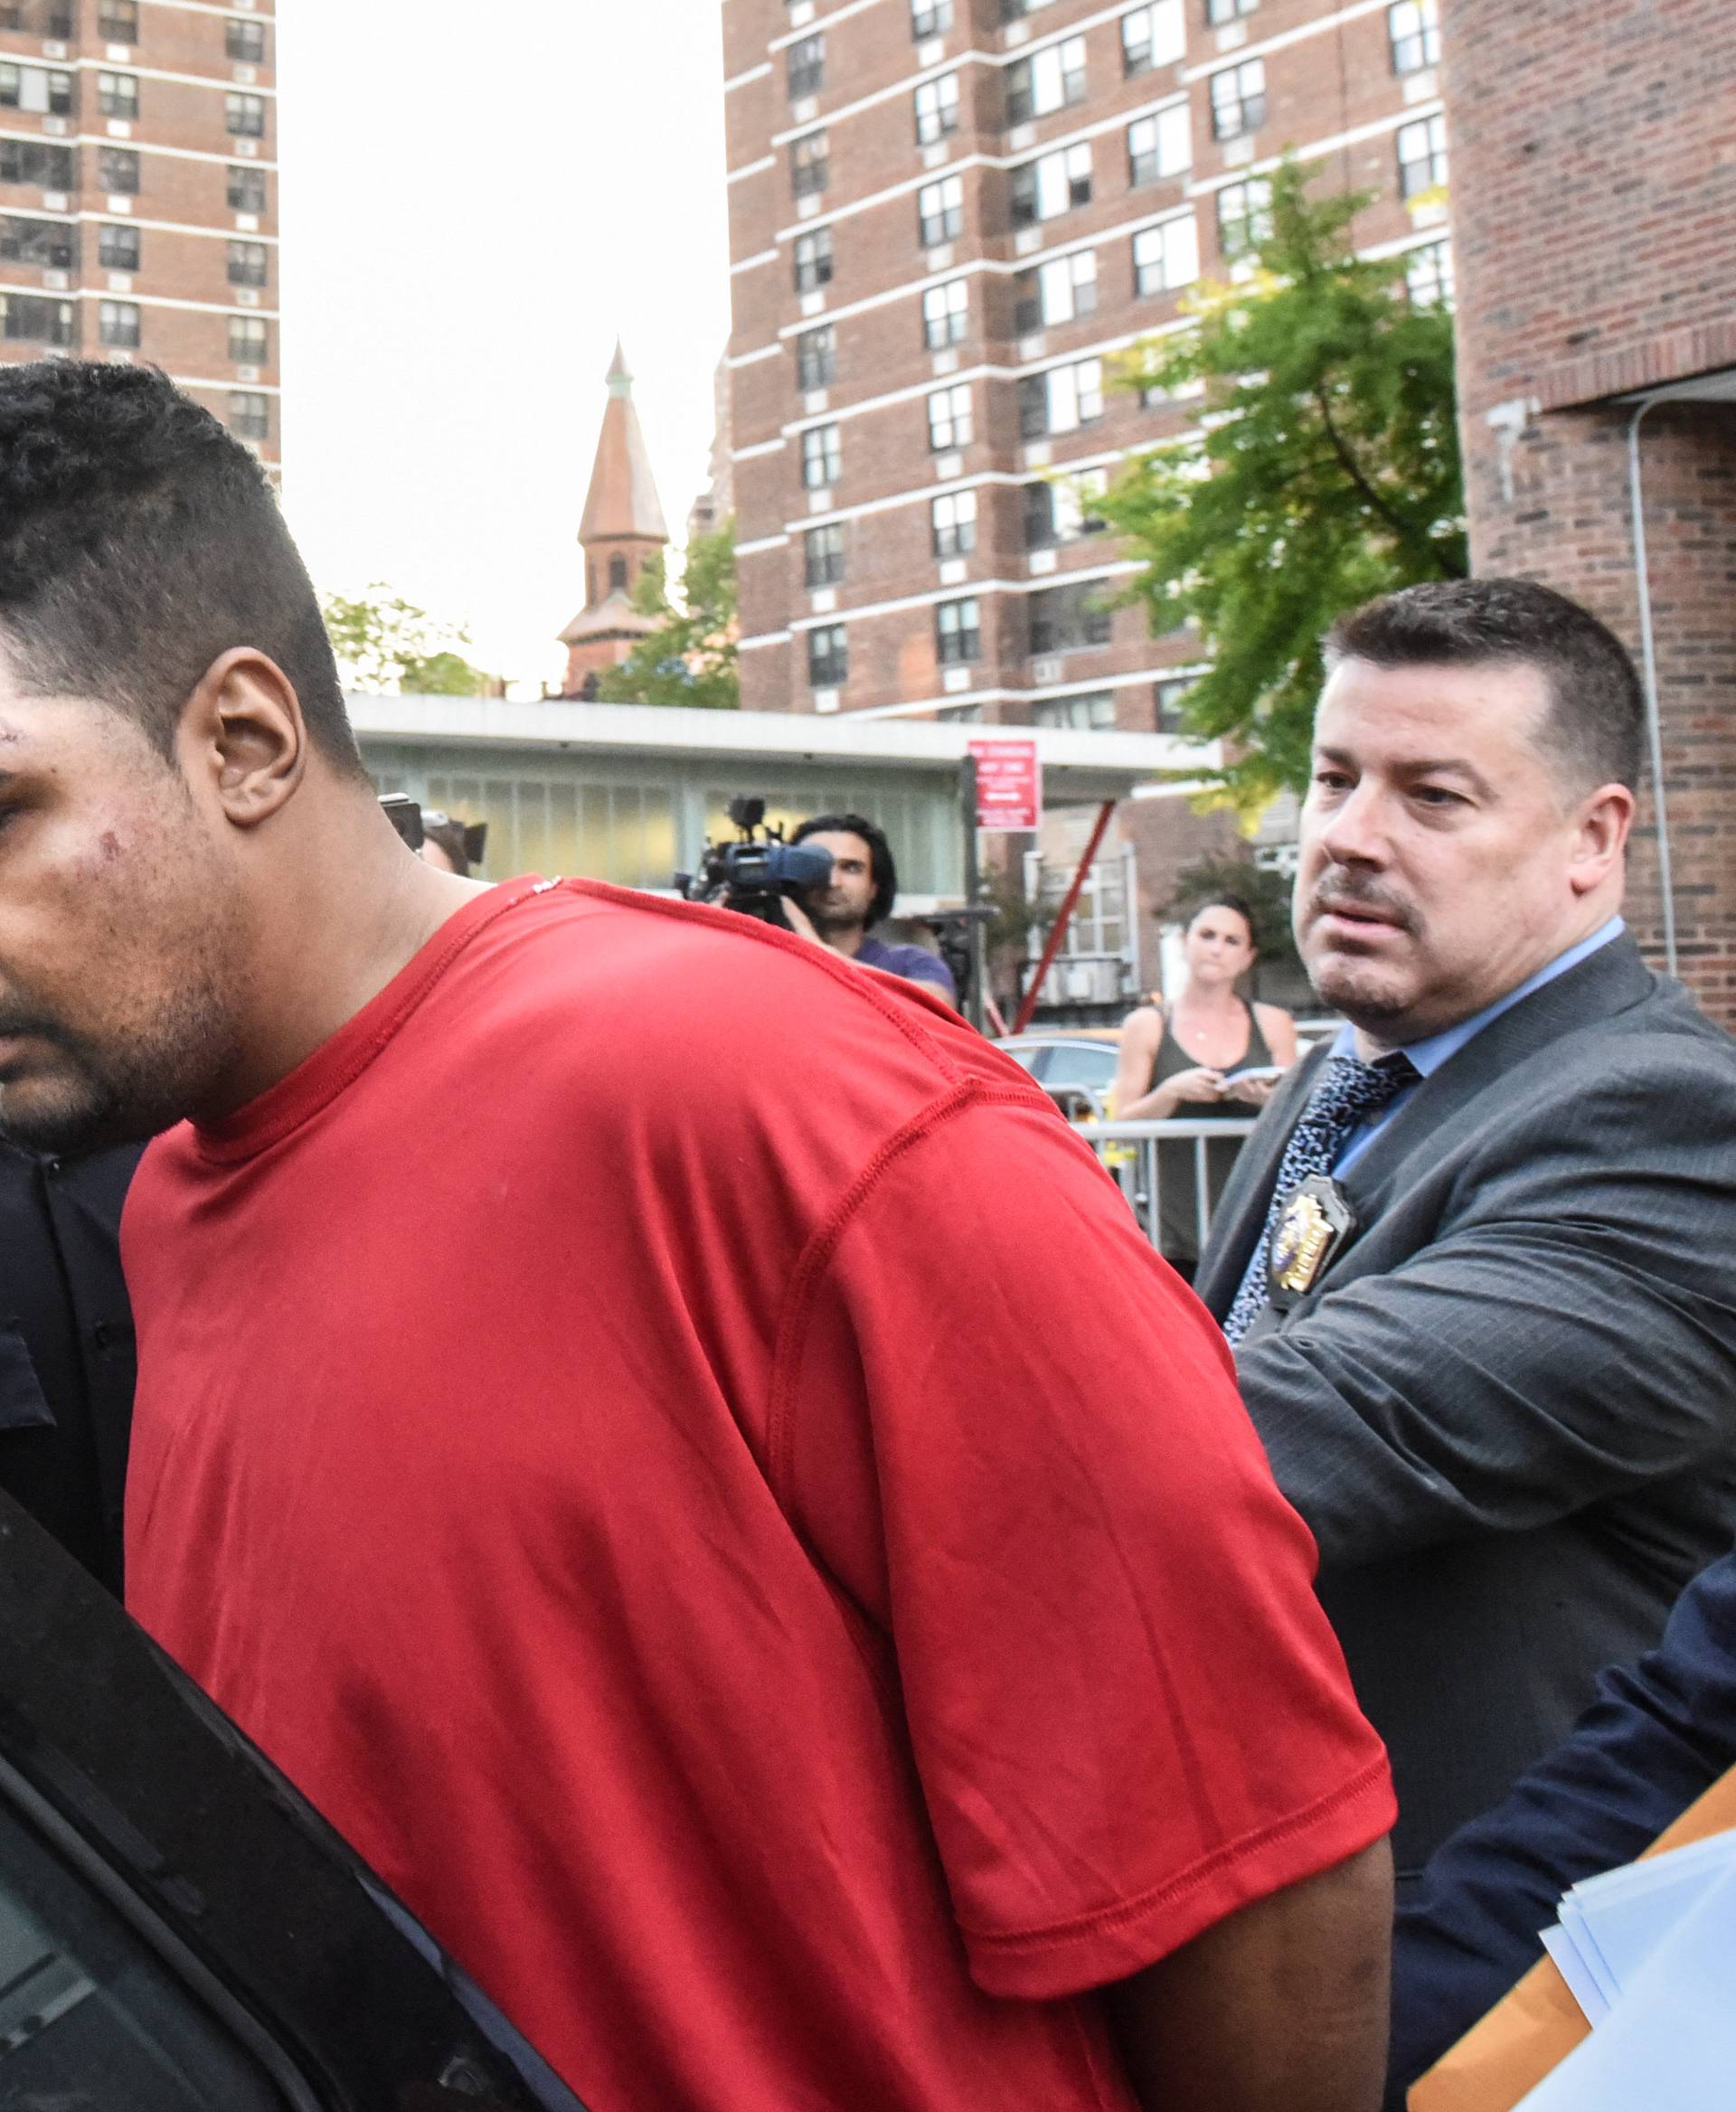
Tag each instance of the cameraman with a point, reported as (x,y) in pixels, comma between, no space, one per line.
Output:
(865,886)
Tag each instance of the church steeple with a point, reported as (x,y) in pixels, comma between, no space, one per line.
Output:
(622,528)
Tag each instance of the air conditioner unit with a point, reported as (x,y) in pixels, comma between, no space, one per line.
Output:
(1045,671)
(56,281)
(247,374)
(247,296)
(56,127)
(246,76)
(57,51)
(248,149)
(56,202)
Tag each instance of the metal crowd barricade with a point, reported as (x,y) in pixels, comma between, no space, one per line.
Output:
(1129,1150)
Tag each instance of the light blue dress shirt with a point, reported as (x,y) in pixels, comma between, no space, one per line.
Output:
(1430,1055)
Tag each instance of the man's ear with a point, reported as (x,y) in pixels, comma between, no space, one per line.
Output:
(244,738)
(1606,820)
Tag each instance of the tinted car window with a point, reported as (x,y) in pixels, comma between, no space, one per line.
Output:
(90,2018)
(1030,1054)
(1080,1064)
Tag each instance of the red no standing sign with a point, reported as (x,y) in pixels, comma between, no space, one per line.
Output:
(1009,785)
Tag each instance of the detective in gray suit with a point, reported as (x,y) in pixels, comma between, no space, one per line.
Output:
(1479,1256)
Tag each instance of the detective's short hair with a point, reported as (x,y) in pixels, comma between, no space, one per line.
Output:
(1595,729)
(139,542)
(880,854)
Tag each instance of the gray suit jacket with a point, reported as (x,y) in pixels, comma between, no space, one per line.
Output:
(1508,1407)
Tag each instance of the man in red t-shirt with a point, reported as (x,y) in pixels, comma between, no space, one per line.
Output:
(663,1435)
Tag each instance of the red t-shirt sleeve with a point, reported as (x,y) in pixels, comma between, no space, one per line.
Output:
(1014,1438)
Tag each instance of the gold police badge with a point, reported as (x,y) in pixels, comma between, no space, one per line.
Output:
(1316,1222)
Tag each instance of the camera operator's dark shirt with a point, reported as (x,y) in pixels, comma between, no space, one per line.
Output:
(916,964)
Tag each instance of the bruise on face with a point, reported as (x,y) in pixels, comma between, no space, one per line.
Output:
(108,844)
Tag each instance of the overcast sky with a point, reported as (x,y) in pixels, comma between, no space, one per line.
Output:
(475,202)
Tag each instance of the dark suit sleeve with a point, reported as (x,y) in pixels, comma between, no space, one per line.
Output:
(1563,1333)
(1657,1738)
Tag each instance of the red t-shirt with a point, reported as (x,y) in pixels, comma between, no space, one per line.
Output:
(674,1447)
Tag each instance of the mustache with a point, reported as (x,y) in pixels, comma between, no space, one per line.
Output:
(1359,890)
(17,1020)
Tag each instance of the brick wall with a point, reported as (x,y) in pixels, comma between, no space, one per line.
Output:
(1594,227)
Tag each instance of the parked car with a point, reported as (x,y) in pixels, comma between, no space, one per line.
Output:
(1075,1066)
(179,1930)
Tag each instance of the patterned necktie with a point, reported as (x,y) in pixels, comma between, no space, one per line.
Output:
(1347,1093)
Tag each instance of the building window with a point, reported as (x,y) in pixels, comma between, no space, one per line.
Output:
(118,22)
(26,318)
(1428,276)
(822,457)
(946,314)
(249,416)
(1166,696)
(936,109)
(809,169)
(117,323)
(1154,36)
(1159,146)
(1047,81)
(949,419)
(246,264)
(1064,618)
(941,212)
(39,165)
(250,341)
(1093,713)
(245,43)
(958,632)
(1061,400)
(1244,216)
(1057,292)
(953,518)
(828,657)
(246,190)
(30,16)
(929,18)
(1063,511)
(118,171)
(1413,30)
(1239,100)
(1166,257)
(44,91)
(1423,156)
(814,260)
(617,575)
(245,115)
(807,63)
(1052,184)
(825,555)
(117,95)
(1222,11)
(119,248)
(48,244)
(816,358)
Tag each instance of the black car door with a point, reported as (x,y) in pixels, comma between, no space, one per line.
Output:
(179,1932)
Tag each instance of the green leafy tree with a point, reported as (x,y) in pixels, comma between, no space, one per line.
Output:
(690,657)
(386,644)
(1327,471)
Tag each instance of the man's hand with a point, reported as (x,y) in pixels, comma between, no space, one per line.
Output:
(1281,2008)
(801,922)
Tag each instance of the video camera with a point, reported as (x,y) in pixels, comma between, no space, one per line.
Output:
(754,876)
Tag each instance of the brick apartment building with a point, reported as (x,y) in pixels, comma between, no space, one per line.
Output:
(138,206)
(1594,217)
(946,219)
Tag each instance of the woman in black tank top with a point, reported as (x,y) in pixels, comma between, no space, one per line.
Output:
(1184,1061)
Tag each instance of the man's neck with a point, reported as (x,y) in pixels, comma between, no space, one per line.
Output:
(352,911)
(847,942)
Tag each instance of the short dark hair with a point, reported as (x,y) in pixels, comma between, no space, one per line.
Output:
(139,542)
(880,853)
(1595,729)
